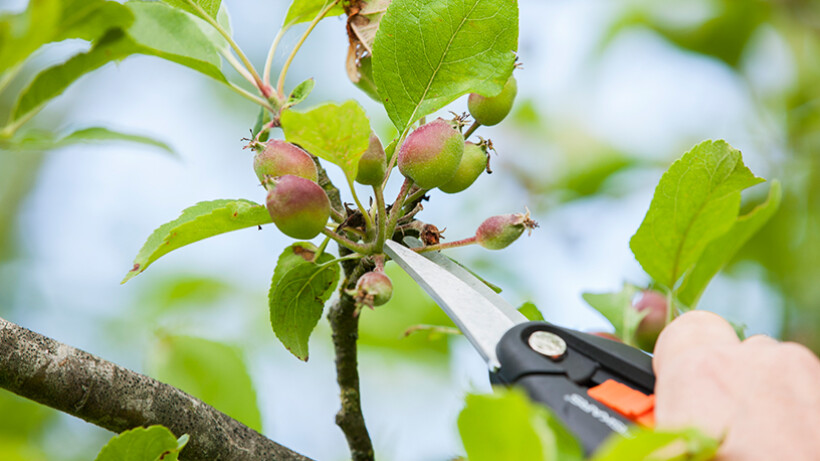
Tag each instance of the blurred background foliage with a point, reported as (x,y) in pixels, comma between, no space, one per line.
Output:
(611,92)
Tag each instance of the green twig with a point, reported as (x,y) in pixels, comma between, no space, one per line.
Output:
(280,86)
(382,217)
(272,52)
(395,209)
(367,219)
(347,243)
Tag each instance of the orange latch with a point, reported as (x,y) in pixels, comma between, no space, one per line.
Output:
(634,405)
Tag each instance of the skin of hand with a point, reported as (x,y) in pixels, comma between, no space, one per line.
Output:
(761,397)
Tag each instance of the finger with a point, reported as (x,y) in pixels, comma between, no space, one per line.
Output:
(690,331)
(760,341)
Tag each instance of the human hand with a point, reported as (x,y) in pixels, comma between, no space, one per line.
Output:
(761,397)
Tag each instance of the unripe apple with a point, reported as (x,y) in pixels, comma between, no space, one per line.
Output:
(298,206)
(374,289)
(491,111)
(656,308)
(500,231)
(280,158)
(431,154)
(473,163)
(373,164)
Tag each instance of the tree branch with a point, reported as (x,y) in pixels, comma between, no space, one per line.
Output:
(344,322)
(117,399)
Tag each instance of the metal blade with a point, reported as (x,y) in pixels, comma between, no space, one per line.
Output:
(481,320)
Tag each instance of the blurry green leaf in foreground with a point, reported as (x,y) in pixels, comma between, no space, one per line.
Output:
(299,289)
(722,249)
(696,201)
(617,308)
(151,443)
(384,327)
(19,449)
(46,21)
(43,140)
(197,7)
(183,290)
(203,220)
(506,425)
(306,10)
(337,133)
(689,445)
(210,371)
(157,30)
(530,311)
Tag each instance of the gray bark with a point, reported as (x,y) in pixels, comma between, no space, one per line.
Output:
(117,399)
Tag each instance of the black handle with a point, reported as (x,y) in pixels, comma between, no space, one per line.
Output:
(561,383)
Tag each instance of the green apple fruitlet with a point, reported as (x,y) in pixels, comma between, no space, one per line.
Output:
(374,289)
(491,111)
(373,164)
(473,162)
(656,308)
(431,154)
(298,206)
(500,231)
(280,158)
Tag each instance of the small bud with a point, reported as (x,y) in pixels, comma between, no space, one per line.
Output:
(280,158)
(373,289)
(372,164)
(656,308)
(500,231)
(299,207)
(431,154)
(491,111)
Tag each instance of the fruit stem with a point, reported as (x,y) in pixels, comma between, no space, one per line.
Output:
(347,243)
(367,219)
(342,258)
(471,130)
(252,97)
(321,250)
(264,89)
(280,86)
(415,195)
(444,246)
(393,157)
(272,52)
(382,218)
(395,210)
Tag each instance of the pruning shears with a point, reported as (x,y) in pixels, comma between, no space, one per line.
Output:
(595,386)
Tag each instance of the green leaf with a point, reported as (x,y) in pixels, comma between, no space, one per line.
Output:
(337,133)
(262,119)
(648,445)
(506,425)
(208,7)
(203,220)
(299,289)
(618,309)
(211,371)
(46,21)
(158,30)
(306,10)
(427,53)
(43,140)
(164,32)
(54,80)
(530,311)
(696,201)
(151,443)
(301,92)
(721,250)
